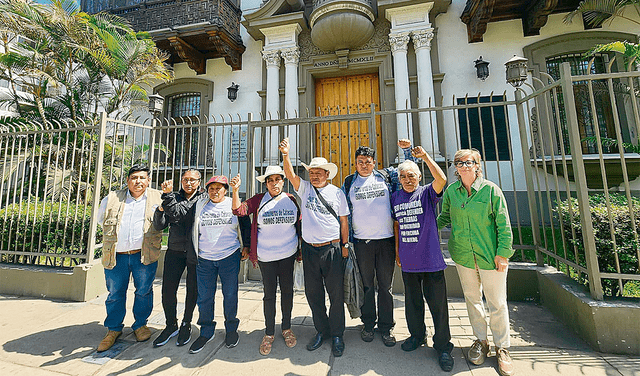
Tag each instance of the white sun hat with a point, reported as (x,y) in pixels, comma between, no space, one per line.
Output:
(271,170)
(319,162)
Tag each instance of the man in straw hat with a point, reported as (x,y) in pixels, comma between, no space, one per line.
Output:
(325,235)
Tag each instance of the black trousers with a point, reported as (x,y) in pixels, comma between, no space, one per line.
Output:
(272,272)
(377,259)
(433,287)
(174,264)
(324,268)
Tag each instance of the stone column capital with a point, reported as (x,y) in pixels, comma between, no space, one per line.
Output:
(272,58)
(422,38)
(291,55)
(399,41)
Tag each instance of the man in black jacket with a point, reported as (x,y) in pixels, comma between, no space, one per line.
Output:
(177,258)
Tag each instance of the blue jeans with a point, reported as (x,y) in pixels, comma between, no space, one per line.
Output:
(117,284)
(208,272)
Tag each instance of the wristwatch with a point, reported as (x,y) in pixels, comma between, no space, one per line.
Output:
(347,245)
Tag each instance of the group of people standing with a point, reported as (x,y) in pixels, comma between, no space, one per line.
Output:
(386,215)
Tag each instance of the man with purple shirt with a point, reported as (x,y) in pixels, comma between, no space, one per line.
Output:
(418,254)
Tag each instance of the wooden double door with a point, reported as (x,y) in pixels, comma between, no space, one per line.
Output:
(338,141)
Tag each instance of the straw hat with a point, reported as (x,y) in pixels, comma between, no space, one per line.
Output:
(271,170)
(319,162)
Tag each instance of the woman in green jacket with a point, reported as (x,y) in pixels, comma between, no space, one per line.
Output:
(480,245)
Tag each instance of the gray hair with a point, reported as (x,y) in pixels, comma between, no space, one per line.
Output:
(193,170)
(409,165)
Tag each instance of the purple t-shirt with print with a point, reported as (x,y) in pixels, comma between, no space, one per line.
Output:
(419,244)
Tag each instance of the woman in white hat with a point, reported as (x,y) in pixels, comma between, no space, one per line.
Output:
(274,247)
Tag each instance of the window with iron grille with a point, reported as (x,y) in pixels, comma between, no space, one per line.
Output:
(484,128)
(184,108)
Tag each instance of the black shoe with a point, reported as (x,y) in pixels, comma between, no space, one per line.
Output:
(198,344)
(315,342)
(446,361)
(388,339)
(337,346)
(367,334)
(412,343)
(231,339)
(165,336)
(184,335)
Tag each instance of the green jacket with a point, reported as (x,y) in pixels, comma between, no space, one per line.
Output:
(480,224)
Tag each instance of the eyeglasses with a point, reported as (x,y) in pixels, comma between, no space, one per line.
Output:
(364,163)
(468,163)
(190,181)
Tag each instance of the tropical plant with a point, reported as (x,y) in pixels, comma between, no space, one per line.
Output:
(597,12)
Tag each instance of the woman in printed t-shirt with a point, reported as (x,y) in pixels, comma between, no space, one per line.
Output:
(480,245)
(274,245)
(419,256)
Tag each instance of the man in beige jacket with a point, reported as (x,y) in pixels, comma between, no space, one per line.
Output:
(131,247)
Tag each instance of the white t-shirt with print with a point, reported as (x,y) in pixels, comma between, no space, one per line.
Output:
(277,238)
(371,216)
(318,224)
(218,231)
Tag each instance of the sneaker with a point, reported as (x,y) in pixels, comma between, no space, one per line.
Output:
(199,343)
(388,339)
(108,340)
(231,339)
(184,335)
(412,343)
(367,334)
(505,364)
(166,335)
(478,352)
(446,361)
(143,333)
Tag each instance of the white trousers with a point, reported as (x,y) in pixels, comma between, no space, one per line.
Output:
(494,284)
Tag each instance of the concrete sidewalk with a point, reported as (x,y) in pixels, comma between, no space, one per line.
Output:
(43,337)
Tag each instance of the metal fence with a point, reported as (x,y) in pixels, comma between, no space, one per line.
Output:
(537,146)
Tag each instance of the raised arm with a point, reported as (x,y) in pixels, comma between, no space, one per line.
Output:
(288,167)
(235,192)
(439,177)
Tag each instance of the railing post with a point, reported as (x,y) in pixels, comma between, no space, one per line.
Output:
(152,141)
(593,269)
(93,227)
(528,175)
(251,168)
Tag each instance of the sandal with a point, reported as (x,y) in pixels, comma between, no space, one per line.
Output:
(289,338)
(265,346)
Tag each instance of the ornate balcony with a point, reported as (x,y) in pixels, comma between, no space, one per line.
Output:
(191,31)
(341,24)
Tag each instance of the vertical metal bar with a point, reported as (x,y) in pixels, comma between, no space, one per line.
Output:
(93,227)
(595,282)
(528,175)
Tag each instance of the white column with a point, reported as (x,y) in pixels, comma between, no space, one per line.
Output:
(399,42)
(428,120)
(272,58)
(291,58)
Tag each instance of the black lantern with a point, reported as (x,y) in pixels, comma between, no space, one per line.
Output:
(232,91)
(155,104)
(482,68)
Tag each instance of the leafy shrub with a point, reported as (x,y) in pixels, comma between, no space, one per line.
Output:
(58,228)
(626,244)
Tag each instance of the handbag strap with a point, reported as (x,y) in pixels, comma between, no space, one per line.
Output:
(326,204)
(265,204)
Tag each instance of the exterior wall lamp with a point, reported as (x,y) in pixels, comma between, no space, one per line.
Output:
(156,103)
(482,68)
(516,70)
(232,91)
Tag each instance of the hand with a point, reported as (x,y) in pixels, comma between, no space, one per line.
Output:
(404,143)
(345,252)
(284,146)
(160,208)
(167,186)
(419,152)
(501,263)
(235,182)
(398,261)
(245,253)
